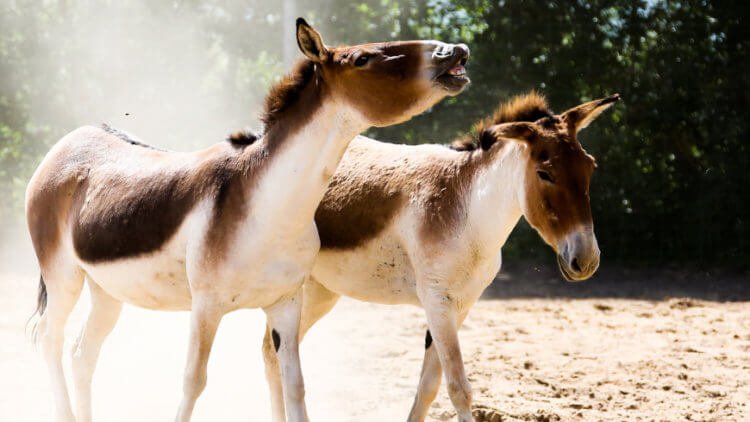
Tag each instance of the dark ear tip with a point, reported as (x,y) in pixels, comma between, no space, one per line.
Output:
(611,99)
(487,138)
(302,22)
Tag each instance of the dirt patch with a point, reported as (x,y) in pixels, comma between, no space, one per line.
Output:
(554,359)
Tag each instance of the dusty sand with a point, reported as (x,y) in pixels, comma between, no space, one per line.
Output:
(527,358)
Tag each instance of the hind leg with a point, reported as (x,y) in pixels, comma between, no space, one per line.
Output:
(205,317)
(63,289)
(101,320)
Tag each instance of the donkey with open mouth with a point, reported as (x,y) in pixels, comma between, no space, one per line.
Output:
(424,225)
(224,228)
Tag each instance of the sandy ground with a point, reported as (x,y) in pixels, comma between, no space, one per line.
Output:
(527,358)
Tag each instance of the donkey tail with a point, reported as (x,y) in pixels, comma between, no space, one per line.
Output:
(41,305)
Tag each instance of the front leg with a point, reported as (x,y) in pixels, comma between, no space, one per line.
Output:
(273,376)
(429,380)
(443,320)
(204,321)
(283,325)
(317,301)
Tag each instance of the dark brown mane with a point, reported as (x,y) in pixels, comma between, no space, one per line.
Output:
(122,135)
(243,137)
(521,108)
(286,92)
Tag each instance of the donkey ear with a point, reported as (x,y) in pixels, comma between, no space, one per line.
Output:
(580,116)
(517,131)
(310,42)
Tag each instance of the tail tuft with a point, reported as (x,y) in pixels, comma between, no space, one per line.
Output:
(41,305)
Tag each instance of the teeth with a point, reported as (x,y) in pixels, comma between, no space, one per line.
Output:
(457,70)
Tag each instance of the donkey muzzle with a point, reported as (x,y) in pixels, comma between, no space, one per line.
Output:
(578,257)
(449,61)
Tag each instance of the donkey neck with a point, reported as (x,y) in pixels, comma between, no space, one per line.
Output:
(494,206)
(301,159)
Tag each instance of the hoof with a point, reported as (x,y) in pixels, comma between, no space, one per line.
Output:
(488,414)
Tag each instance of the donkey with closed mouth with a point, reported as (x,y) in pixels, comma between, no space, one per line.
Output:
(424,225)
(227,227)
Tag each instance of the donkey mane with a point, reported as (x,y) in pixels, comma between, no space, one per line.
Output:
(122,135)
(287,91)
(528,107)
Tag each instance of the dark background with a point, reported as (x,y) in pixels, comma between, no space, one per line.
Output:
(671,189)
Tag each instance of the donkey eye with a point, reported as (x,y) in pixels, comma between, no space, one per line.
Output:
(544,176)
(361,61)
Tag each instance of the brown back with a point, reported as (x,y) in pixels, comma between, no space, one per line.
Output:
(120,215)
(370,188)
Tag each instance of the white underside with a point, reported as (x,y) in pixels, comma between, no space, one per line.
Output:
(382,271)
(379,271)
(259,271)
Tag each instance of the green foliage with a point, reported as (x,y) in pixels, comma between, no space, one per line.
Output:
(672,182)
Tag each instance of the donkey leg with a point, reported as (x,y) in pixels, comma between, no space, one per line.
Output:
(443,321)
(429,380)
(101,320)
(273,377)
(204,321)
(317,302)
(63,289)
(284,322)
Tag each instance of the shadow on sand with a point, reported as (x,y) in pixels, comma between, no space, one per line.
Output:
(533,280)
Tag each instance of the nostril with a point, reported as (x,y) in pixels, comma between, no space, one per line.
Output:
(575,266)
(443,52)
(462,49)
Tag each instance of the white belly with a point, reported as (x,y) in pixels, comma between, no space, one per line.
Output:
(260,266)
(156,281)
(379,271)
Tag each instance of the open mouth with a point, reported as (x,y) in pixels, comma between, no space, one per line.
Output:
(454,77)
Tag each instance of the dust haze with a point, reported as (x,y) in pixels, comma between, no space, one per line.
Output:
(152,69)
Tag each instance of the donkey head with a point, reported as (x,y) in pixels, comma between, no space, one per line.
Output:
(556,188)
(387,83)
